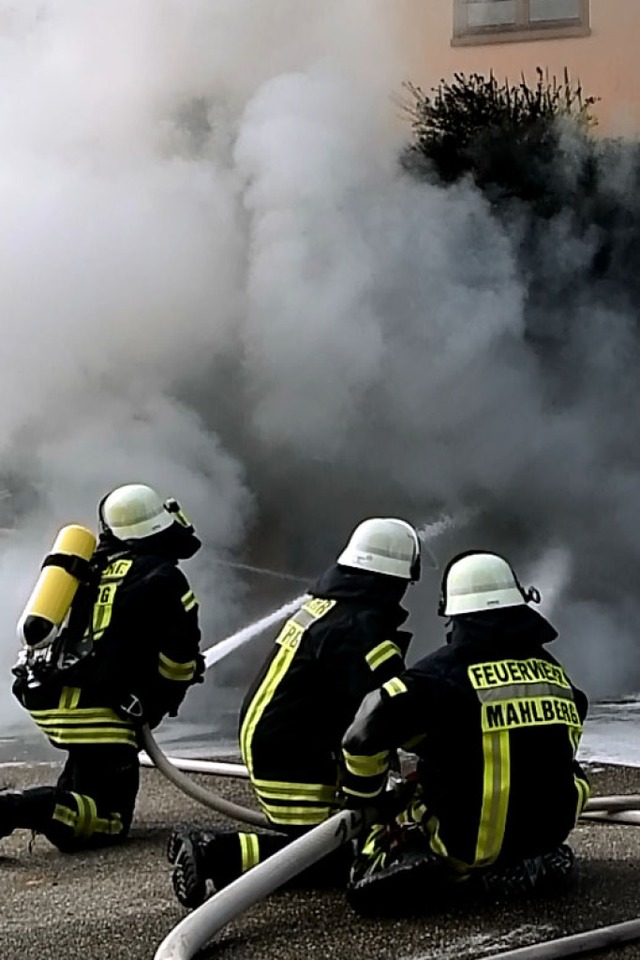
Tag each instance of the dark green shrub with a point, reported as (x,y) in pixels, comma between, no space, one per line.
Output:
(505,136)
(570,199)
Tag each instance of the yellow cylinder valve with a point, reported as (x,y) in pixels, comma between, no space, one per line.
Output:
(62,572)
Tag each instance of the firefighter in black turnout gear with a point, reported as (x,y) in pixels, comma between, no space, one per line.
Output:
(343,642)
(126,656)
(495,723)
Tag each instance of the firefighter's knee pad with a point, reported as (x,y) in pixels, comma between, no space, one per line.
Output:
(76,825)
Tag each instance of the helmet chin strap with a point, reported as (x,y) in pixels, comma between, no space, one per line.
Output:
(102,523)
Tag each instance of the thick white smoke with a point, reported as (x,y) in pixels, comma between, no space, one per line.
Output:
(125,248)
(216,279)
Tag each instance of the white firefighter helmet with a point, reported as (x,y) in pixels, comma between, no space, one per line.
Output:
(384,545)
(481,581)
(135,511)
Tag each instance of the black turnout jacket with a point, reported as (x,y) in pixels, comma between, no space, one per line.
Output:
(495,722)
(343,643)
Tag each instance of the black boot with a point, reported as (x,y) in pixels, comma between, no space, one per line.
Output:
(530,874)
(191,853)
(29,809)
(9,806)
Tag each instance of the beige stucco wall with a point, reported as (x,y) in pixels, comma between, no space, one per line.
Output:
(607,62)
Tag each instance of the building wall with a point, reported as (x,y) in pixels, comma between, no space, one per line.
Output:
(607,62)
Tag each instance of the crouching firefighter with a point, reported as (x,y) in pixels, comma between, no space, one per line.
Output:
(127,651)
(343,642)
(495,722)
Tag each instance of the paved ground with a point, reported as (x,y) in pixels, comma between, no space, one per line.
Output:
(118,905)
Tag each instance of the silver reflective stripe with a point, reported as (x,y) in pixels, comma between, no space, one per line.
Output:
(303,618)
(311,610)
(517,691)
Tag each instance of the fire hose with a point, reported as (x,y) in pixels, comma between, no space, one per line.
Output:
(192,789)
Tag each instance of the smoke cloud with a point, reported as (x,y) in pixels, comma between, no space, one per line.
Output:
(216,279)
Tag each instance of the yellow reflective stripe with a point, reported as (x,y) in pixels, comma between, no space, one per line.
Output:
(366,766)
(583,790)
(80,713)
(371,845)
(495,796)
(317,607)
(69,698)
(293,791)
(501,673)
(116,570)
(383,652)
(50,725)
(290,635)
(173,670)
(435,840)
(416,812)
(189,600)
(264,695)
(110,581)
(87,813)
(92,823)
(312,788)
(575,735)
(79,719)
(297,816)
(365,794)
(294,628)
(288,640)
(529,712)
(436,843)
(85,728)
(103,609)
(394,686)
(249,850)
(90,735)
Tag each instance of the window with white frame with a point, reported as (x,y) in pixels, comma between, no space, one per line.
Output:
(495,21)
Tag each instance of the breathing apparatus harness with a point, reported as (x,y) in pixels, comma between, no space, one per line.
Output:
(58,658)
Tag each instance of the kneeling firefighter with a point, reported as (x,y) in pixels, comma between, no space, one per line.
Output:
(341,644)
(495,722)
(125,655)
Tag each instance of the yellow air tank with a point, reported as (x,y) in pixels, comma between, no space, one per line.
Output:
(62,571)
